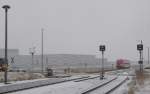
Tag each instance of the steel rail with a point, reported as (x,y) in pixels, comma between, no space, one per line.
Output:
(99,86)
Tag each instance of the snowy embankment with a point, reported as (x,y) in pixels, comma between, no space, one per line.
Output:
(20,85)
(71,87)
(18,76)
(142,85)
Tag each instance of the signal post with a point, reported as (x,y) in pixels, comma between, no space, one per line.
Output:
(102,49)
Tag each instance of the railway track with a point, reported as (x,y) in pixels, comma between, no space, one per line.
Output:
(41,85)
(108,87)
(72,87)
(84,79)
(94,85)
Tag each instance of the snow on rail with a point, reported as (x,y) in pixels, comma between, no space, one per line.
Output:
(21,85)
(108,88)
(70,87)
(98,86)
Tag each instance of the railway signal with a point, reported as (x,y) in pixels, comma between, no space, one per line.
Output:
(12,59)
(140,49)
(102,49)
(32,52)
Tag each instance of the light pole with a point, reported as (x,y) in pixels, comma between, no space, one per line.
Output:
(148,54)
(42,64)
(102,49)
(32,52)
(47,61)
(6,7)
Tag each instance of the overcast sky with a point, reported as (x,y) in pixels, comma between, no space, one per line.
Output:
(78,26)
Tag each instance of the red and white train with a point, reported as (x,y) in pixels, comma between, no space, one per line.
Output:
(122,64)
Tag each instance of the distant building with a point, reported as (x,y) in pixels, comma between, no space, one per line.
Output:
(59,61)
(11,52)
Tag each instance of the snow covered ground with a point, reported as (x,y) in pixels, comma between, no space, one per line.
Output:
(71,87)
(139,84)
(123,89)
(19,85)
(144,90)
(143,83)
(111,85)
(25,81)
(76,87)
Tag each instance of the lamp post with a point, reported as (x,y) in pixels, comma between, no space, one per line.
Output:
(6,7)
(102,49)
(148,54)
(42,63)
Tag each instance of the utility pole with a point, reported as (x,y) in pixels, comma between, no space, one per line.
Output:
(42,63)
(85,67)
(6,7)
(102,49)
(47,61)
(148,55)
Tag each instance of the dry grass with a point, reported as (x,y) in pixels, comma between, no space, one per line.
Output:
(18,76)
(142,77)
(138,81)
(131,91)
(131,86)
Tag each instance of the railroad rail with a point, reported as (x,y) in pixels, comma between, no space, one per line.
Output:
(24,86)
(90,91)
(84,79)
(116,86)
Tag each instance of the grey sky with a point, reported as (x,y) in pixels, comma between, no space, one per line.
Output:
(78,26)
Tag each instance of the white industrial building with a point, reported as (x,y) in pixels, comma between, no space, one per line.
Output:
(59,61)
